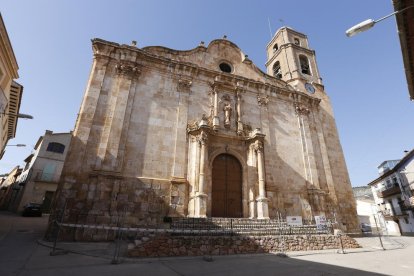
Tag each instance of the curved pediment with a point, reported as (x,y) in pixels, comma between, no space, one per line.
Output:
(217,52)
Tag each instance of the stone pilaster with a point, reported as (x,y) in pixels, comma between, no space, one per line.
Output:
(180,154)
(110,138)
(239,120)
(90,105)
(201,196)
(324,153)
(262,201)
(216,120)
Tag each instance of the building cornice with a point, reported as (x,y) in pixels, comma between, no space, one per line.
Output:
(7,49)
(125,53)
(405,26)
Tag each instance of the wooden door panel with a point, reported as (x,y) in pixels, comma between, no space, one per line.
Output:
(226,187)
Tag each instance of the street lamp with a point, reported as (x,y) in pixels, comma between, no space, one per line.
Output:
(19,115)
(369,23)
(17,145)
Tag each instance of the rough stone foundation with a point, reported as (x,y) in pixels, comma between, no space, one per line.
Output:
(166,245)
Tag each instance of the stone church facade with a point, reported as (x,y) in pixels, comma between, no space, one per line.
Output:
(205,133)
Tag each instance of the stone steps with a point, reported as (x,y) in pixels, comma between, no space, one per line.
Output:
(242,226)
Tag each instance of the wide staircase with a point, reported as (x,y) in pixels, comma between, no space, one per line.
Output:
(240,226)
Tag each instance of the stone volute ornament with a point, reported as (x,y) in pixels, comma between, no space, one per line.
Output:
(301,110)
(258,146)
(203,138)
(263,100)
(126,69)
(184,85)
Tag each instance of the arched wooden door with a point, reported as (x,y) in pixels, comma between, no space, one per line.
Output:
(226,187)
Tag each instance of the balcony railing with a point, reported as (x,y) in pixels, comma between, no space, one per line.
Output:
(45,177)
(395,212)
(389,191)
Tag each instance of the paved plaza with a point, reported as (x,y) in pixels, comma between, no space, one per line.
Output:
(24,253)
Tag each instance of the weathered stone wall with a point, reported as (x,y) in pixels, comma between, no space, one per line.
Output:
(166,245)
(132,148)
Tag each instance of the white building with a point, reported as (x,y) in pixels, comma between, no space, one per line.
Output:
(38,181)
(366,209)
(393,194)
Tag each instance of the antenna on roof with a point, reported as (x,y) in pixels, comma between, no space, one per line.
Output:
(270,29)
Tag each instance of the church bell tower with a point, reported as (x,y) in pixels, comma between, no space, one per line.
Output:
(290,59)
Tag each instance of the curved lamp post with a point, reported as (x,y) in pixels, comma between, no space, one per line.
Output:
(19,115)
(369,23)
(17,145)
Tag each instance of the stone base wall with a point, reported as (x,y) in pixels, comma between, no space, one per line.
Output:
(166,245)
(116,202)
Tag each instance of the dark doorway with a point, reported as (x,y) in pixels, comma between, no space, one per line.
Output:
(227,187)
(47,200)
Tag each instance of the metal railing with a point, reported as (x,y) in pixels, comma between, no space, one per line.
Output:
(40,175)
(389,191)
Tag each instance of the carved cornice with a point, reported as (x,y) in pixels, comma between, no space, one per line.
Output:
(178,180)
(223,83)
(196,126)
(230,83)
(240,88)
(256,135)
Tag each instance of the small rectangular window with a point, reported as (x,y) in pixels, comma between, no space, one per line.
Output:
(55,147)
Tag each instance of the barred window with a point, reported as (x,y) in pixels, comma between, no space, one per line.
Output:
(55,147)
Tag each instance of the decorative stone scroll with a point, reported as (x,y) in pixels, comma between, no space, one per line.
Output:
(202,138)
(301,110)
(258,146)
(127,69)
(263,100)
(184,85)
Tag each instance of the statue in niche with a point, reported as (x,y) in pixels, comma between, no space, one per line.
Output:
(227,114)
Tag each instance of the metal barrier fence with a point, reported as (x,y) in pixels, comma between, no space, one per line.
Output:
(119,235)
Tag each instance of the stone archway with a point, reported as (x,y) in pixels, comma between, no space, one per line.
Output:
(226,187)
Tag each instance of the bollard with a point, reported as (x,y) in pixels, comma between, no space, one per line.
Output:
(54,251)
(115,259)
(342,246)
(379,233)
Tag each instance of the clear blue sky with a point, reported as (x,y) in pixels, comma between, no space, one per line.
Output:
(363,75)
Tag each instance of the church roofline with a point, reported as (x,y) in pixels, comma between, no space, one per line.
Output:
(274,82)
(147,49)
(196,49)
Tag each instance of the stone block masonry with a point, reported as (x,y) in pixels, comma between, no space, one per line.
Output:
(164,245)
